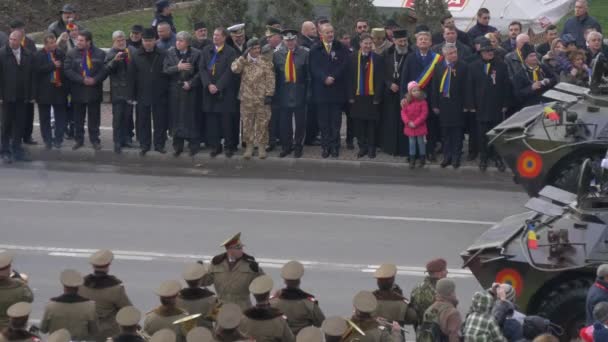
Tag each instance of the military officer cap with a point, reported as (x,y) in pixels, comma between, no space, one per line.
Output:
(271,31)
(289,34)
(334,326)
(16,24)
(137,28)
(71,278)
(61,335)
(310,334)
(602,271)
(399,33)
(386,271)
(199,25)
(164,335)
(237,30)
(149,33)
(128,316)
(194,271)
(230,316)
(292,270)
(68,8)
(101,258)
(6,259)
(233,242)
(365,302)
(199,334)
(19,310)
(260,285)
(378,32)
(436,265)
(169,288)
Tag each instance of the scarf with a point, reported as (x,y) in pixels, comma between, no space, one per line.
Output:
(70,27)
(519,56)
(536,73)
(213,61)
(427,74)
(365,75)
(486,68)
(290,68)
(87,63)
(444,87)
(23,42)
(327,47)
(55,75)
(127,56)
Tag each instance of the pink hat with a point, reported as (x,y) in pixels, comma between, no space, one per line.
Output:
(412,85)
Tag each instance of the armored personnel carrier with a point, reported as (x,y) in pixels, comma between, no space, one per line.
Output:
(546,144)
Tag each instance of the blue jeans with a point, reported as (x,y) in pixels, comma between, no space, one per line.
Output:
(421,146)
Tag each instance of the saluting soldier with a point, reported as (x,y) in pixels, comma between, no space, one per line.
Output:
(334,328)
(365,304)
(392,306)
(423,295)
(17,331)
(228,321)
(194,298)
(12,290)
(164,315)
(301,308)
(128,319)
(263,322)
(70,310)
(232,272)
(107,291)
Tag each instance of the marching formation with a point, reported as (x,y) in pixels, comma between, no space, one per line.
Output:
(415,94)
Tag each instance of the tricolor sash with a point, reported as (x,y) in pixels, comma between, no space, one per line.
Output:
(365,76)
(55,75)
(446,80)
(427,74)
(290,68)
(213,61)
(87,63)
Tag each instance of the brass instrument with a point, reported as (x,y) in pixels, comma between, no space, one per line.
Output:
(212,315)
(353,328)
(188,323)
(386,324)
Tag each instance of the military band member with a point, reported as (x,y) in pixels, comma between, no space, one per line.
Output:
(107,291)
(392,306)
(228,321)
(199,334)
(365,304)
(164,335)
(128,319)
(17,330)
(164,315)
(310,334)
(263,322)
(301,308)
(334,328)
(12,290)
(61,335)
(71,311)
(232,272)
(195,299)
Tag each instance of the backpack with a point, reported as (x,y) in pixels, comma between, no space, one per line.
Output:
(429,330)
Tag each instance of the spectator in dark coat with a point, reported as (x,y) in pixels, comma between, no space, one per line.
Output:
(308,35)
(50,90)
(514,59)
(515,29)
(84,67)
(135,36)
(595,45)
(600,313)
(200,40)
(448,21)
(328,66)
(582,20)
(533,80)
(67,17)
(598,292)
(450,37)
(483,24)
(549,35)
(166,37)
(163,14)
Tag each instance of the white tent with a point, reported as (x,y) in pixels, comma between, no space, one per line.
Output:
(537,14)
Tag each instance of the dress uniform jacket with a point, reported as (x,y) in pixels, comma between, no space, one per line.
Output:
(109,295)
(224,101)
(292,95)
(18,336)
(372,332)
(394,307)
(119,74)
(149,85)
(232,283)
(198,300)
(72,312)
(323,65)
(45,91)
(266,325)
(163,318)
(12,291)
(82,93)
(301,309)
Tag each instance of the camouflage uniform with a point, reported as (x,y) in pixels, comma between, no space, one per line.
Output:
(257,83)
(422,297)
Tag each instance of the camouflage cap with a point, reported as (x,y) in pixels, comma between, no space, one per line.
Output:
(169,288)
(260,285)
(310,334)
(365,302)
(71,278)
(386,271)
(334,326)
(61,335)
(194,271)
(128,316)
(292,270)
(18,310)
(230,316)
(164,335)
(6,259)
(199,334)
(101,258)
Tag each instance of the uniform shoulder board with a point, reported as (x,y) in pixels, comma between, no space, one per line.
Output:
(254,266)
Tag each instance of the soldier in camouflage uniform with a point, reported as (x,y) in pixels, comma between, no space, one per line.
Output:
(423,295)
(257,89)
(12,290)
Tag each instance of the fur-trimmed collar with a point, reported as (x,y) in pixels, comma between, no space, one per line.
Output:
(101,281)
(294,294)
(388,295)
(193,293)
(69,298)
(262,313)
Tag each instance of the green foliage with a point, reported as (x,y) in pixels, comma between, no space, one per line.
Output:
(344,13)
(217,13)
(291,13)
(430,12)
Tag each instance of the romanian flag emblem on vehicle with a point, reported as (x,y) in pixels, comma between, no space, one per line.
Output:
(532,238)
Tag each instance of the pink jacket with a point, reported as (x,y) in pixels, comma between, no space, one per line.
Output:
(415,112)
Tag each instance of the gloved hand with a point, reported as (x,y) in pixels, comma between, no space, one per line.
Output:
(268,100)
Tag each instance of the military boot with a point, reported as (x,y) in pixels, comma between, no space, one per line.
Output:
(248,151)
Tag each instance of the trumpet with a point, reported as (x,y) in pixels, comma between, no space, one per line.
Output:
(386,324)
(187,323)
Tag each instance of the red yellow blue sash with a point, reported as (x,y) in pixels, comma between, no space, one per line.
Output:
(55,75)
(427,74)
(87,63)
(446,80)
(365,84)
(290,68)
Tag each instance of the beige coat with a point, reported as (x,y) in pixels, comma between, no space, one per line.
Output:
(232,285)
(12,291)
(163,318)
(74,313)
(266,325)
(301,309)
(197,300)
(110,296)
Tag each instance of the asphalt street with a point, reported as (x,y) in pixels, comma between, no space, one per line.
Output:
(53,215)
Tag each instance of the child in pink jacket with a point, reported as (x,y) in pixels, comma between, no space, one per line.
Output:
(414,115)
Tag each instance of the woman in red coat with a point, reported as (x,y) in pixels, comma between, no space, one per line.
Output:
(414,115)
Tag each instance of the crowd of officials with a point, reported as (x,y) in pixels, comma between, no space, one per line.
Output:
(415,94)
(96,307)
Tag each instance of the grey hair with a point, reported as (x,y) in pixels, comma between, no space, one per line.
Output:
(448,47)
(595,34)
(184,35)
(118,34)
(423,33)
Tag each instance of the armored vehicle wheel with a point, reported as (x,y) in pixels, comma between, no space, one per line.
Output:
(565,306)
